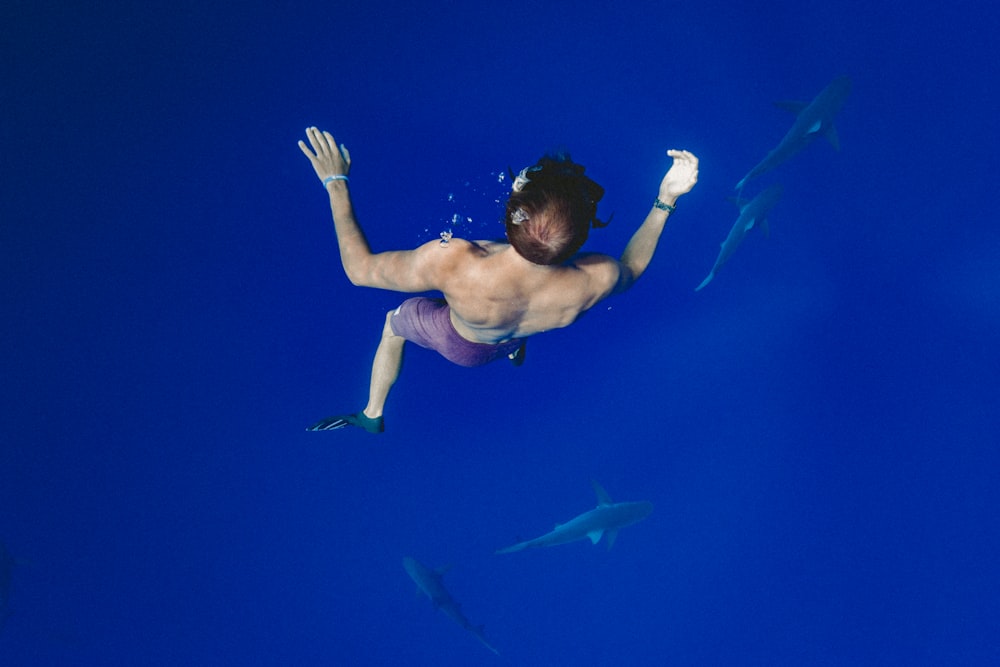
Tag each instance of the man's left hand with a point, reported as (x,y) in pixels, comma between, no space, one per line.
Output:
(327,158)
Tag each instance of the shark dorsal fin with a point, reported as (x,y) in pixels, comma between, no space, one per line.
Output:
(602,496)
(794,106)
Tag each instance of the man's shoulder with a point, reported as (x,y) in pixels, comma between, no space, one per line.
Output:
(451,242)
(449,248)
(585,260)
(490,247)
(603,273)
(452,257)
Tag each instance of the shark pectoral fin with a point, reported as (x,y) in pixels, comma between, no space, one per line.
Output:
(705,281)
(765,229)
(595,536)
(792,106)
(832,137)
(611,535)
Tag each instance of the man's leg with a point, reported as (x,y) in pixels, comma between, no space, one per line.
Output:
(385,369)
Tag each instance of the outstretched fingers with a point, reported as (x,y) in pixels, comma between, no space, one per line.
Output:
(327,158)
(331,146)
(308,153)
(320,141)
(315,141)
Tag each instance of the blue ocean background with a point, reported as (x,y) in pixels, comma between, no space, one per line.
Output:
(817,429)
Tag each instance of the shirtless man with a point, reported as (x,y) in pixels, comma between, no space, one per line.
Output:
(496,294)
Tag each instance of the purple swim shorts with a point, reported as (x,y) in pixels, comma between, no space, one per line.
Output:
(427,322)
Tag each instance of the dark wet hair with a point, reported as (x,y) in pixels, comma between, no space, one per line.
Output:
(549,218)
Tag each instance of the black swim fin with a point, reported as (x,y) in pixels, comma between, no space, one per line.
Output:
(376,425)
(517,356)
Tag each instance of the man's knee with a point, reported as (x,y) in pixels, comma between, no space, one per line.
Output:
(387,329)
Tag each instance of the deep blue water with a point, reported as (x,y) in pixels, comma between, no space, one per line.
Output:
(817,429)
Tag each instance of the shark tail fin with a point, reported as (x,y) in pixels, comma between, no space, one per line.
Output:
(480,632)
(520,546)
(706,281)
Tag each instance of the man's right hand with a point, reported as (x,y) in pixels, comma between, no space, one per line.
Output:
(681,177)
(326,157)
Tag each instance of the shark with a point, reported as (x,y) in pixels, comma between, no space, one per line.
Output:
(603,521)
(431,583)
(812,119)
(752,213)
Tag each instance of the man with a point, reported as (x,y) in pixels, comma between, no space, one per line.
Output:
(496,294)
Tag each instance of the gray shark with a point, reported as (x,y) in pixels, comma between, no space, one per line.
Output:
(752,213)
(432,584)
(603,520)
(812,119)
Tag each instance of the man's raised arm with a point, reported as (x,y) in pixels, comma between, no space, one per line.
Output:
(404,270)
(332,164)
(679,180)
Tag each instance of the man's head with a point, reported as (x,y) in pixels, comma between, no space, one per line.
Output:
(551,210)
